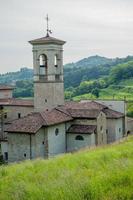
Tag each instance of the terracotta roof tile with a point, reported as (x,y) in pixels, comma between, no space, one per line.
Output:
(84,113)
(29,124)
(84,105)
(6,87)
(82,129)
(16,102)
(112,114)
(55,116)
(33,122)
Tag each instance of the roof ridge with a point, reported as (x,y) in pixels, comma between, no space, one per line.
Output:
(43,115)
(62,112)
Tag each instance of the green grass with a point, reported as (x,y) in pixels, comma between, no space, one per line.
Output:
(104,173)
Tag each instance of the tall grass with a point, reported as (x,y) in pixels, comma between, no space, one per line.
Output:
(104,173)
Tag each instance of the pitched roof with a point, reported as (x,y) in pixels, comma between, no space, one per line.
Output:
(85,105)
(112,114)
(82,129)
(82,113)
(34,121)
(6,87)
(29,124)
(47,40)
(55,116)
(16,102)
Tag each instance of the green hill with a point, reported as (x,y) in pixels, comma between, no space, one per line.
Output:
(92,77)
(104,173)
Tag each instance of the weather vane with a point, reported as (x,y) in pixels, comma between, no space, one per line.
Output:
(48,30)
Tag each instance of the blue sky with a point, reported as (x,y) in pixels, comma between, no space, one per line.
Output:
(90,27)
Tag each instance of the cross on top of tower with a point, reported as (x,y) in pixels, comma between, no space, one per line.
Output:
(48,30)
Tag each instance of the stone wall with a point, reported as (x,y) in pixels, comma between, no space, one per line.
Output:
(48,95)
(73,144)
(26,146)
(101,129)
(13,112)
(115,129)
(56,141)
(4,94)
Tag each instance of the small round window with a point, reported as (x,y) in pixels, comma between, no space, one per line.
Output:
(56,131)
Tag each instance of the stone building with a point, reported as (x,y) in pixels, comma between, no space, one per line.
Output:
(48,125)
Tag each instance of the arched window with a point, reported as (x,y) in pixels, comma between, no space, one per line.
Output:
(43,64)
(55,61)
(79,137)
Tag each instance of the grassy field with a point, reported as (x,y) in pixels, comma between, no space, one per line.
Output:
(104,173)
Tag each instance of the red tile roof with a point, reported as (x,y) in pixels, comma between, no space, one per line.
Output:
(6,87)
(112,114)
(55,116)
(29,124)
(33,122)
(16,102)
(82,129)
(84,113)
(85,105)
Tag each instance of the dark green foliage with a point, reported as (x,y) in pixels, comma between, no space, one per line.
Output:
(95,92)
(121,71)
(23,89)
(12,77)
(80,78)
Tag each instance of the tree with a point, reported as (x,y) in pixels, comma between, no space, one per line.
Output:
(95,92)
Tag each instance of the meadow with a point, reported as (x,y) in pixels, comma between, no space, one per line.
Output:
(102,173)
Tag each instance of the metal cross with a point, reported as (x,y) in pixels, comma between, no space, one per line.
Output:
(48,30)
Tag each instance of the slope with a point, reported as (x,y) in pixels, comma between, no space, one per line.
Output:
(104,173)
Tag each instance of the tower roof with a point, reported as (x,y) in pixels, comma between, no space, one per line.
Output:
(47,40)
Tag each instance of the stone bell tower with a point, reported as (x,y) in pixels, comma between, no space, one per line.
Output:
(48,72)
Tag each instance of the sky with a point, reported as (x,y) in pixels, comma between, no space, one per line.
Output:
(90,27)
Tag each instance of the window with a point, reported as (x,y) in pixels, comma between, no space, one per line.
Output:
(19,115)
(101,128)
(106,131)
(6,155)
(5,115)
(25,155)
(45,100)
(79,137)
(56,131)
(42,142)
(119,130)
(55,61)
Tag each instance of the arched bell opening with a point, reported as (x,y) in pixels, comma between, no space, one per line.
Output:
(43,66)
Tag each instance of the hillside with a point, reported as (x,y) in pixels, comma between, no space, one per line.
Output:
(92,77)
(104,173)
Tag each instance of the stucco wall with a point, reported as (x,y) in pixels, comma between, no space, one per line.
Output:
(31,145)
(101,129)
(115,129)
(56,143)
(130,125)
(119,129)
(5,94)
(85,121)
(73,144)
(12,111)
(18,145)
(4,148)
(48,95)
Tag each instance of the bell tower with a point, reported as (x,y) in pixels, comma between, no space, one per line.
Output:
(48,72)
